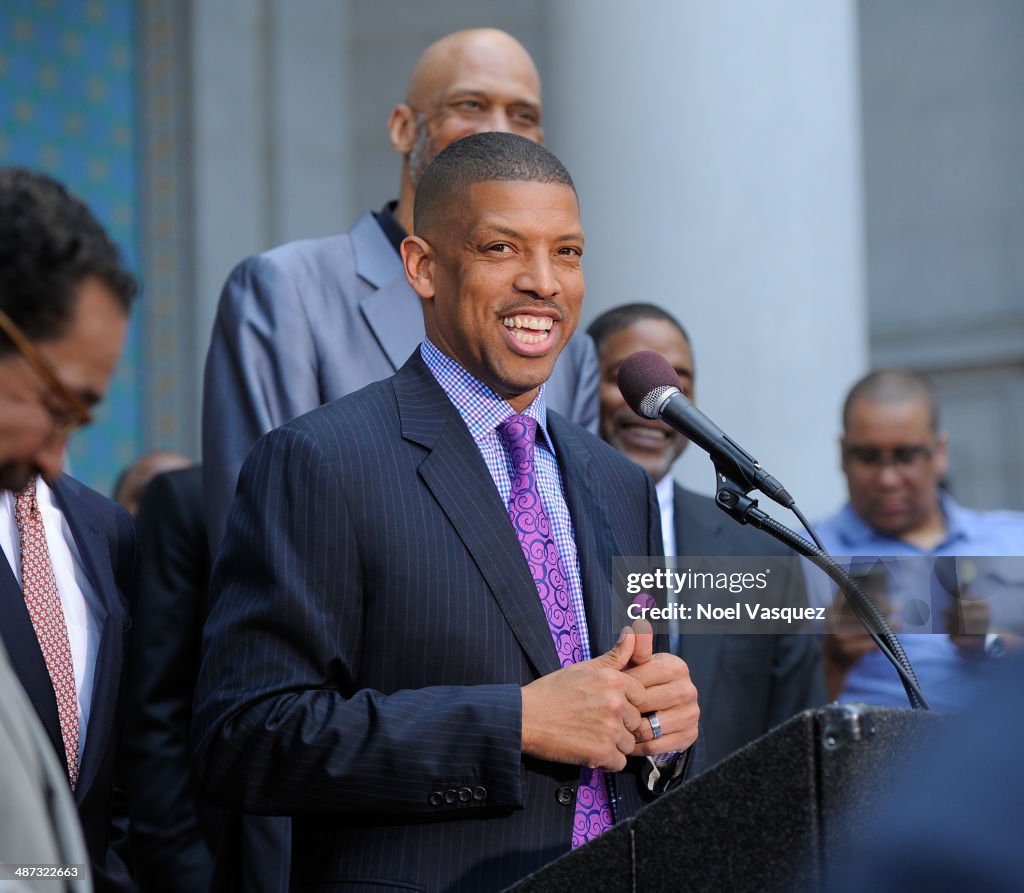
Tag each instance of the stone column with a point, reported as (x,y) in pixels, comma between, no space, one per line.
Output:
(716,148)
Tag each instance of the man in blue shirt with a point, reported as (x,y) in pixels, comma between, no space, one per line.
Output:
(894,457)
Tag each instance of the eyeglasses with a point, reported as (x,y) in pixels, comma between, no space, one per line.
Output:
(901,457)
(75,414)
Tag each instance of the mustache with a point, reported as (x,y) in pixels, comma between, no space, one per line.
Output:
(512,309)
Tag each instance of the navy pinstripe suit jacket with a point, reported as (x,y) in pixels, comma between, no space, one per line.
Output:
(372,621)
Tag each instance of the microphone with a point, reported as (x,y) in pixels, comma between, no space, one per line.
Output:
(649,384)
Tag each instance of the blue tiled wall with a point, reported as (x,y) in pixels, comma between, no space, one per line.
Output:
(67,107)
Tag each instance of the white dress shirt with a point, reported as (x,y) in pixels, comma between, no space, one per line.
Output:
(666,489)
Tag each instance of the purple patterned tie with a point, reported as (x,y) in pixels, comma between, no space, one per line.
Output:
(526,511)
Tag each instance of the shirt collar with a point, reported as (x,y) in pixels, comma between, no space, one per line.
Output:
(856,532)
(480,407)
(958,525)
(389,224)
(666,490)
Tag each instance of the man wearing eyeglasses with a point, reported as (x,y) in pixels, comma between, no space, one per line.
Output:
(69,553)
(894,456)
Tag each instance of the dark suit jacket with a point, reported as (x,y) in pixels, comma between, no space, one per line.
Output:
(103,532)
(173,833)
(747,684)
(372,622)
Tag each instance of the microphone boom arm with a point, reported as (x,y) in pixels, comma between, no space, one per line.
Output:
(732,498)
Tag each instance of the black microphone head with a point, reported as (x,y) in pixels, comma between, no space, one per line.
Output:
(642,373)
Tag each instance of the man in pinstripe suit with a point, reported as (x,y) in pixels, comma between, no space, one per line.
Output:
(377,662)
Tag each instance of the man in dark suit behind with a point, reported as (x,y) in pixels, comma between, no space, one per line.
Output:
(69,553)
(748,683)
(384,659)
(174,833)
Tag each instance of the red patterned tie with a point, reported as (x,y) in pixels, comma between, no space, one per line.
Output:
(43,600)
(526,511)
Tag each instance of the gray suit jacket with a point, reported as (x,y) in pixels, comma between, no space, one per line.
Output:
(38,818)
(311,321)
(747,683)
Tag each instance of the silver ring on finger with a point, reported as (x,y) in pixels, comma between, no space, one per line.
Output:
(656,730)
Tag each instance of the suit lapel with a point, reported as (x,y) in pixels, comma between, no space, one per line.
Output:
(594,542)
(457,477)
(94,549)
(392,310)
(27,657)
(695,538)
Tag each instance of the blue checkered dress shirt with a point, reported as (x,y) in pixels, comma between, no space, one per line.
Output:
(483,411)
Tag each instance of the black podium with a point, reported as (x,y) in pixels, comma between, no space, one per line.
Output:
(771,817)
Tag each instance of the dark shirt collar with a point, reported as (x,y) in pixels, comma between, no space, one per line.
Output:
(386,220)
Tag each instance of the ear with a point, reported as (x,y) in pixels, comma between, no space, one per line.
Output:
(418,258)
(842,452)
(402,128)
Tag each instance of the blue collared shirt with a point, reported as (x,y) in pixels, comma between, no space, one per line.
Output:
(948,680)
(483,411)
(968,532)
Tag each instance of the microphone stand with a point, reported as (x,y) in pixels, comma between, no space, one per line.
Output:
(732,498)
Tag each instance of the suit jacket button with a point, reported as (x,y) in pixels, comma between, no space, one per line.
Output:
(465,795)
(436,798)
(451,795)
(566,795)
(479,793)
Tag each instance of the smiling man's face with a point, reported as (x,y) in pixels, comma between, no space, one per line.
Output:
(650,443)
(503,282)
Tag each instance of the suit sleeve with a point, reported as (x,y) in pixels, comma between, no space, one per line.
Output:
(169,850)
(281,724)
(260,373)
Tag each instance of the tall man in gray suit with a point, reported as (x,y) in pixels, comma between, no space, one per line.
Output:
(311,321)
(748,684)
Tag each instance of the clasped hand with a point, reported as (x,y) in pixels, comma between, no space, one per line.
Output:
(594,713)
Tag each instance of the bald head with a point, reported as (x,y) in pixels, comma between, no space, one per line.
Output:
(468,82)
(447,60)
(894,386)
